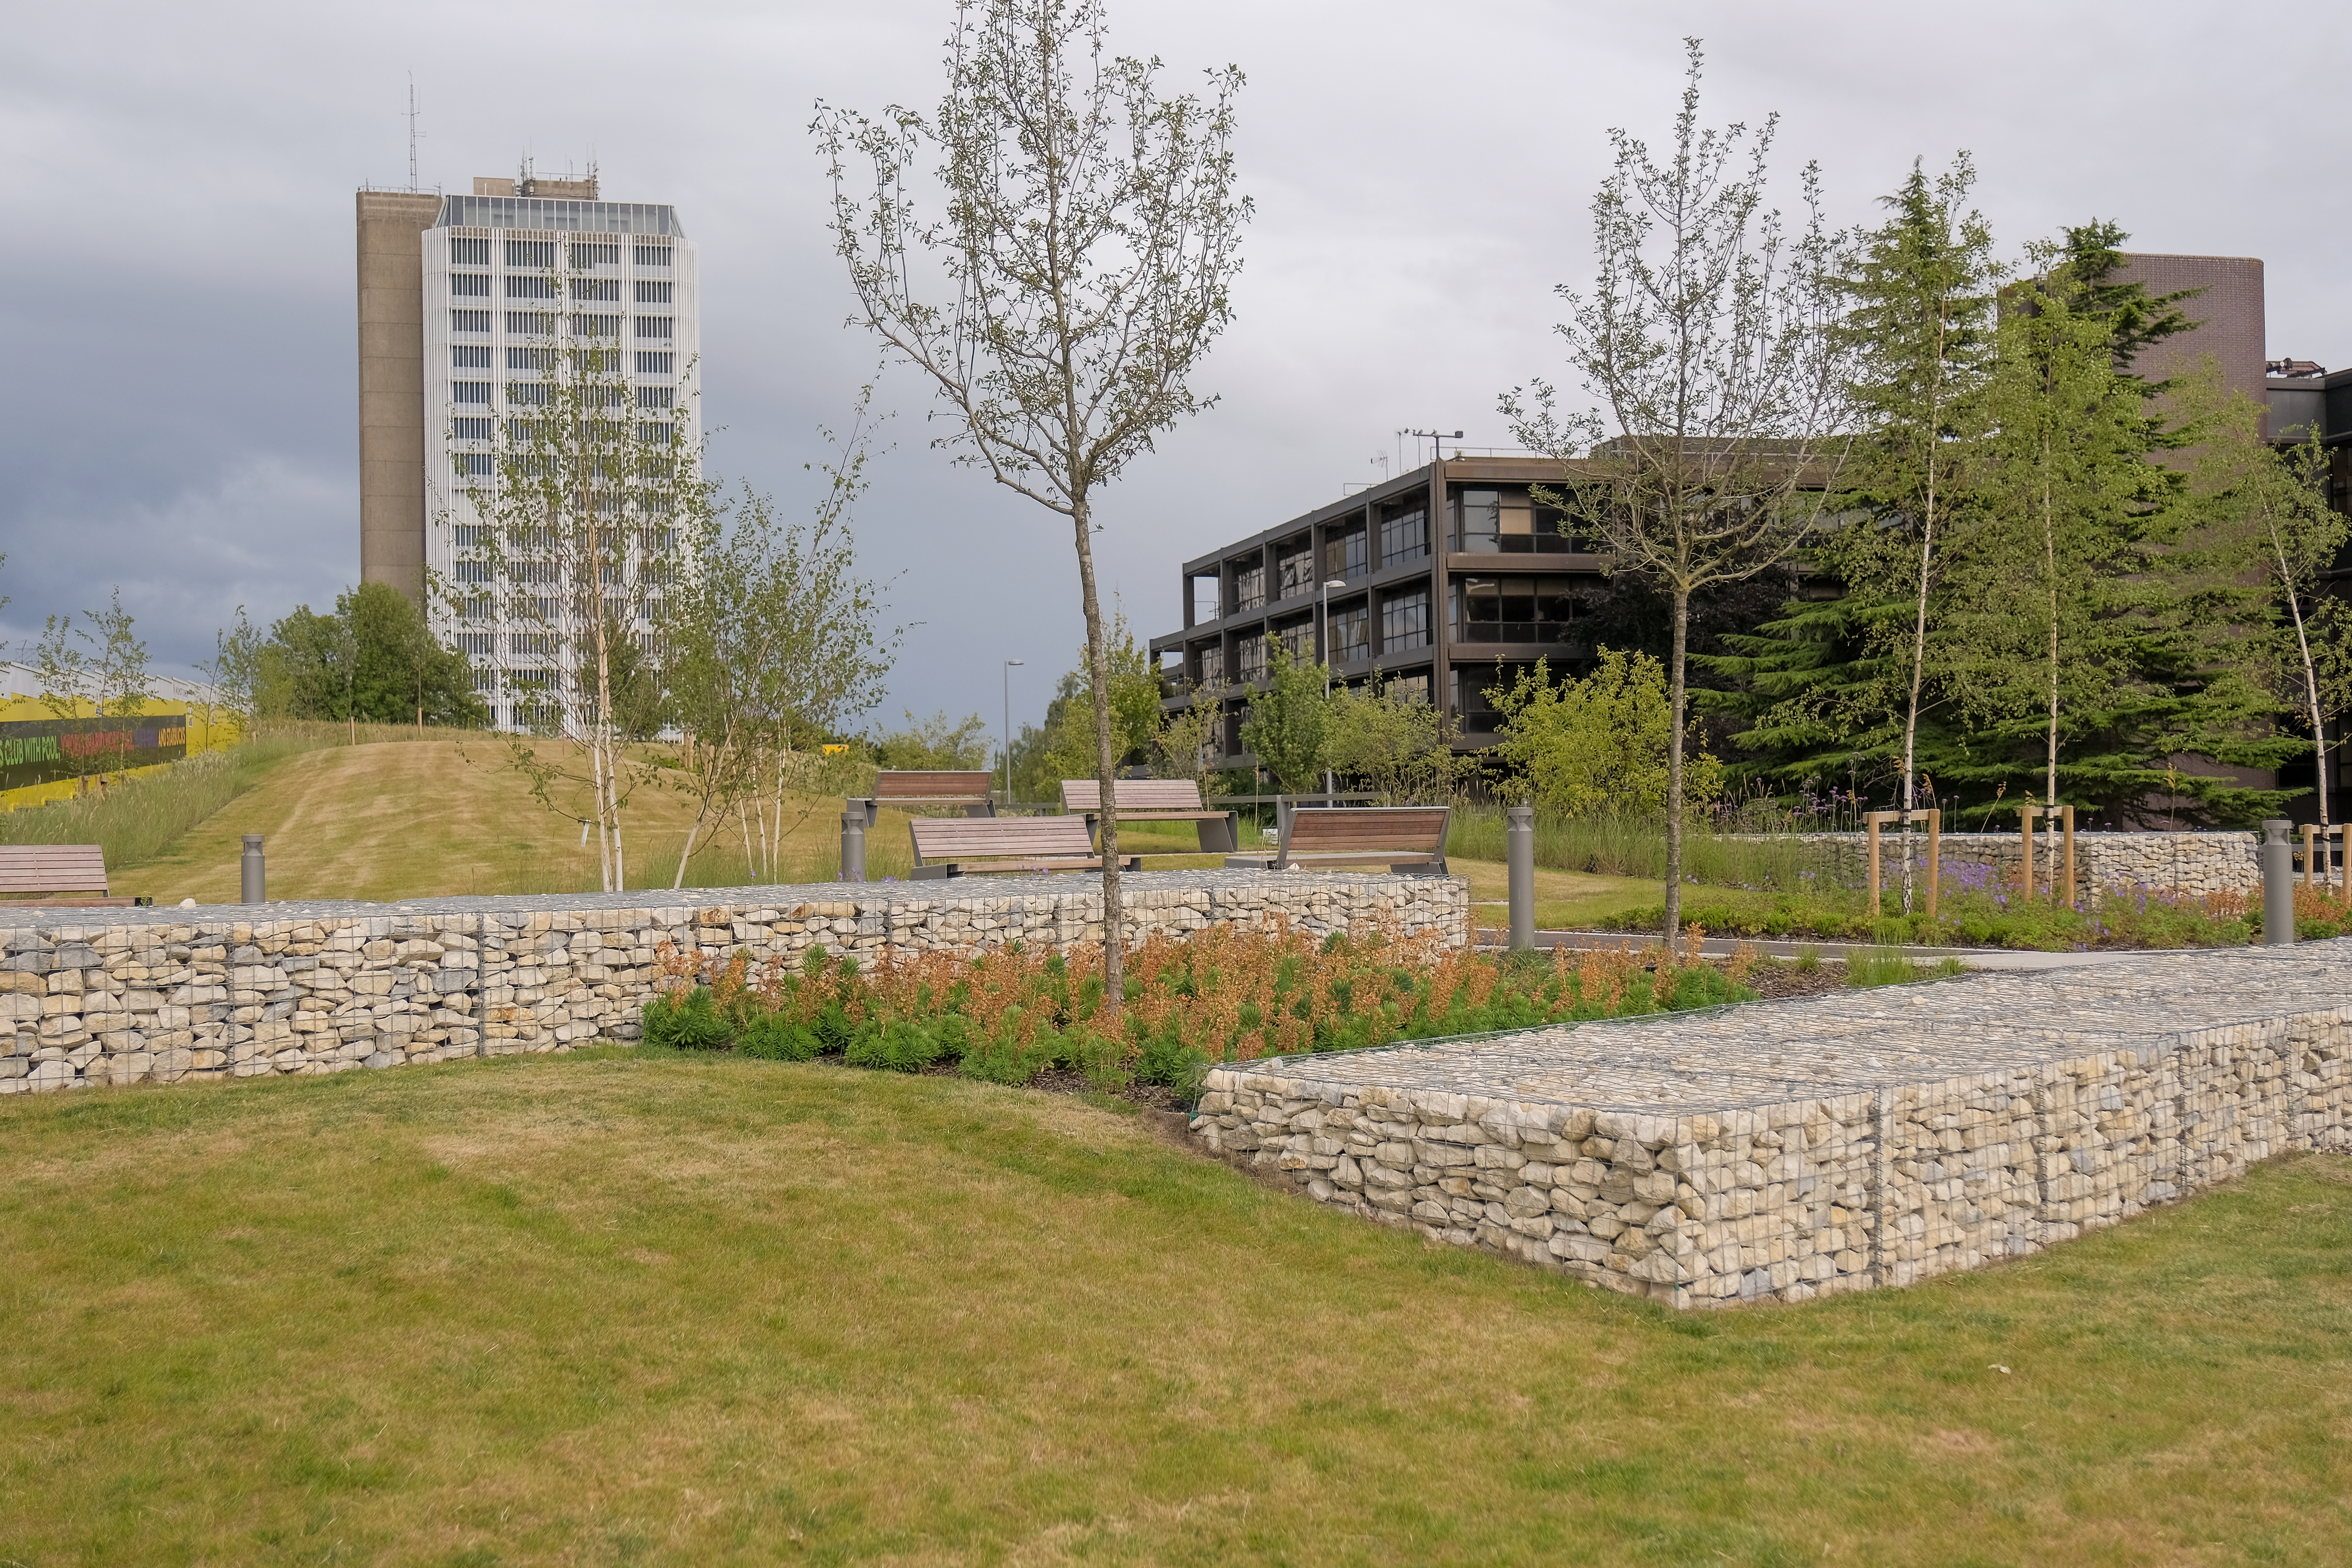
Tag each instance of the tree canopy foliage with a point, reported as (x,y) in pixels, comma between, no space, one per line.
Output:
(373,657)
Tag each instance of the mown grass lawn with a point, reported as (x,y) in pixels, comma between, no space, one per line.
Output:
(639,1310)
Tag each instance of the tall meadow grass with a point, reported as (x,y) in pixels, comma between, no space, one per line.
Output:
(1625,843)
(136,819)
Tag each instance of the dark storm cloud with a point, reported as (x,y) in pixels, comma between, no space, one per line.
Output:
(179,414)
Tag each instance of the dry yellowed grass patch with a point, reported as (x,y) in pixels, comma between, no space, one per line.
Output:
(392,820)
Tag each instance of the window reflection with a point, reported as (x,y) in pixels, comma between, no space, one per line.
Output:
(1404,533)
(1507,522)
(1351,634)
(1344,555)
(1511,610)
(1404,621)
(1471,685)
(1294,564)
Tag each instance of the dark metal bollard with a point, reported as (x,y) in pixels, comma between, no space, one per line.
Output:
(852,842)
(1520,836)
(2278,883)
(252,879)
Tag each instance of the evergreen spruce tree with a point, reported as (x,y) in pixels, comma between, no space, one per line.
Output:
(1922,325)
(2097,619)
(1857,677)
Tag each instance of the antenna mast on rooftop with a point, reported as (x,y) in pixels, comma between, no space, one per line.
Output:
(413,132)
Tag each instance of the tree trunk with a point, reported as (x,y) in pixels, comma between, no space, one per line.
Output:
(1919,626)
(2310,689)
(1675,772)
(1106,766)
(604,850)
(1919,668)
(2050,567)
(608,803)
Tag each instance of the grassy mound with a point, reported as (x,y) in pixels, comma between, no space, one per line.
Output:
(724,1310)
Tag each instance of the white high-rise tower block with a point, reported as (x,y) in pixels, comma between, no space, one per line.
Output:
(510,272)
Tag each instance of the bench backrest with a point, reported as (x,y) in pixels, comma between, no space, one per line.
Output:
(1132,794)
(932,783)
(981,838)
(52,868)
(1345,830)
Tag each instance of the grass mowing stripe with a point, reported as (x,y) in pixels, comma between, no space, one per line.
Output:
(641,1310)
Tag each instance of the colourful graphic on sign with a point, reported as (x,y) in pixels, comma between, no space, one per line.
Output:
(44,751)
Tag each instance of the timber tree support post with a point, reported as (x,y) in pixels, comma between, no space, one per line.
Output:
(2026,812)
(2062,823)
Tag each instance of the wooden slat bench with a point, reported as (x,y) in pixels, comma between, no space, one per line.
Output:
(952,846)
(1155,800)
(970,788)
(1408,838)
(69,875)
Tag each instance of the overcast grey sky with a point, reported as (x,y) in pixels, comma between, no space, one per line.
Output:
(178,316)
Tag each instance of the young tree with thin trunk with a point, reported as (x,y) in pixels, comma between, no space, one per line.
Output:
(1923,294)
(2276,502)
(1085,258)
(235,674)
(2110,623)
(2070,444)
(772,641)
(112,674)
(575,533)
(1709,337)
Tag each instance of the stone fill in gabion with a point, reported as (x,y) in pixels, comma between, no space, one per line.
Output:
(134,996)
(1794,1149)
(2106,864)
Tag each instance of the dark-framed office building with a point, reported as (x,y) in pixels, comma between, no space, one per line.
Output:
(1454,578)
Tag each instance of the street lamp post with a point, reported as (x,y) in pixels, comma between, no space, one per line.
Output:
(1328,585)
(1008,731)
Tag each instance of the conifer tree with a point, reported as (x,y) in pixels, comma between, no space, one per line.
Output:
(2274,501)
(1921,324)
(2098,619)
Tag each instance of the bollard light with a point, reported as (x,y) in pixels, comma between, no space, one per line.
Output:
(252,878)
(1519,840)
(852,842)
(2278,883)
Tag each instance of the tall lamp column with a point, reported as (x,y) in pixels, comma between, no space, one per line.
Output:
(1329,584)
(1008,731)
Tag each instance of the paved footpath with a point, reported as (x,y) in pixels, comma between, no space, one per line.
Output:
(1838,951)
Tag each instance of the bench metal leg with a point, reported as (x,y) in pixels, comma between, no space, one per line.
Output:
(1221,836)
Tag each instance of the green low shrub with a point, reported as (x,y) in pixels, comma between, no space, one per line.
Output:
(1005,1016)
(688,1021)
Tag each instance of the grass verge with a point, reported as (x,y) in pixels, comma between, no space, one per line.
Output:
(139,819)
(632,1310)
